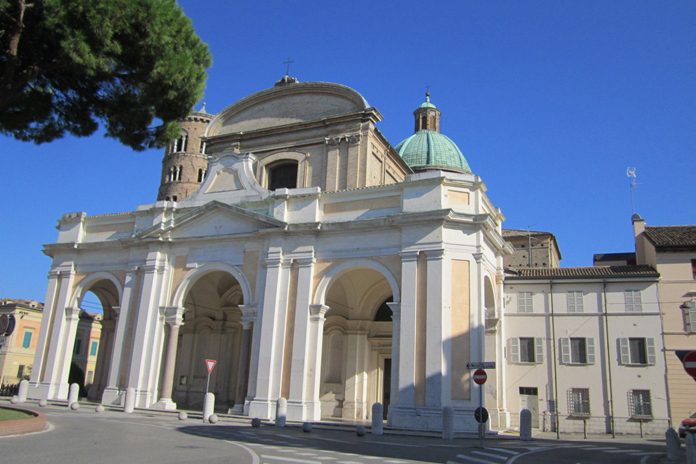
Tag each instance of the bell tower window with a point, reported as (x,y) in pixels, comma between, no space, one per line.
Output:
(282,174)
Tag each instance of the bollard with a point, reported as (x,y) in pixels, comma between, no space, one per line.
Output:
(14,399)
(281,412)
(377,421)
(360,431)
(74,406)
(690,448)
(447,423)
(673,445)
(256,422)
(43,403)
(213,419)
(73,394)
(183,415)
(306,427)
(208,406)
(23,389)
(129,404)
(525,425)
(99,408)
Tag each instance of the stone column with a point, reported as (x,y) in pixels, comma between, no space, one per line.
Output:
(114,388)
(434,339)
(174,318)
(248,318)
(300,403)
(272,332)
(355,405)
(39,361)
(103,355)
(316,336)
(396,355)
(407,340)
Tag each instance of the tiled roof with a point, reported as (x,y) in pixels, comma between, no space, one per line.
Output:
(593,272)
(511,233)
(672,238)
(20,302)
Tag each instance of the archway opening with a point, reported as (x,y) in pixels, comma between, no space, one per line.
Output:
(357,347)
(212,329)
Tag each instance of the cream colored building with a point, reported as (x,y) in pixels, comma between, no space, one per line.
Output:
(17,349)
(584,342)
(533,248)
(314,262)
(672,251)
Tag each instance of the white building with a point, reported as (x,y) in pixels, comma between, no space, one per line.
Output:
(314,262)
(587,343)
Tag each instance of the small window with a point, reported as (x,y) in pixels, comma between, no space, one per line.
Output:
(689,309)
(576,350)
(78,344)
(175,198)
(575,302)
(633,301)
(282,175)
(639,404)
(179,170)
(529,391)
(637,351)
(525,302)
(172,174)
(693,269)
(26,341)
(579,402)
(200,175)
(20,371)
(526,350)
(180,143)
(93,348)
(202,147)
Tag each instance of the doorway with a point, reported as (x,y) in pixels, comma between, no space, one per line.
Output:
(386,387)
(529,399)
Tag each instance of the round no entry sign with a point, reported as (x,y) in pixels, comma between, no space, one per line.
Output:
(480,376)
(690,363)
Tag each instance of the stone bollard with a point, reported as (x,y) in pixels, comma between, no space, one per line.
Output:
(43,403)
(208,406)
(525,425)
(73,394)
(256,422)
(690,448)
(281,412)
(14,399)
(74,406)
(306,427)
(183,415)
(129,404)
(447,423)
(99,408)
(23,390)
(377,421)
(673,445)
(360,431)
(213,419)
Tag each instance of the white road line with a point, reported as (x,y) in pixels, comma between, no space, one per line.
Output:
(254,456)
(503,450)
(469,458)
(622,451)
(306,454)
(490,455)
(646,453)
(395,461)
(605,448)
(282,458)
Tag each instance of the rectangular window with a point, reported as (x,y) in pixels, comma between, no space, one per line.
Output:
(639,404)
(689,309)
(528,350)
(575,302)
(26,341)
(534,391)
(20,371)
(579,402)
(577,350)
(524,302)
(693,268)
(637,351)
(633,301)
(93,348)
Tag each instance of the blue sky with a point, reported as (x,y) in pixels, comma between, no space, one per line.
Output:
(550,101)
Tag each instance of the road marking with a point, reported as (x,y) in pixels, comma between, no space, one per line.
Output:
(647,453)
(395,461)
(503,450)
(281,458)
(605,448)
(622,451)
(469,458)
(254,456)
(490,455)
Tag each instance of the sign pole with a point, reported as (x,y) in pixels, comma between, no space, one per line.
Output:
(481,424)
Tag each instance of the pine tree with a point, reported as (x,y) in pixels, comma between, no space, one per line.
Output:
(135,65)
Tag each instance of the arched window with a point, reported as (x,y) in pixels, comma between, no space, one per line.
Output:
(282,174)
(180,143)
(200,175)
(202,148)
(172,174)
(178,172)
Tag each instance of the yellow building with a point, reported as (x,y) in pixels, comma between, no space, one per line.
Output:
(17,349)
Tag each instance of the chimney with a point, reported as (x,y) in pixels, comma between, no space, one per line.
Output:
(638,229)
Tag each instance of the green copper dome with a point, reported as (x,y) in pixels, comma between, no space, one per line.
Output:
(428,149)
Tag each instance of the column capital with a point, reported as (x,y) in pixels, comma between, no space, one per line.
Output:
(395,307)
(116,310)
(317,312)
(434,255)
(248,315)
(305,261)
(408,255)
(478,257)
(173,315)
(72,312)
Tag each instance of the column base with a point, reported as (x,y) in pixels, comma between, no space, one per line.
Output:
(304,411)
(165,404)
(430,419)
(237,409)
(261,408)
(113,396)
(48,391)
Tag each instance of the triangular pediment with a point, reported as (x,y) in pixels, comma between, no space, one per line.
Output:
(212,219)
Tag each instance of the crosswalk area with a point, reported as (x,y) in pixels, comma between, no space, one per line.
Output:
(499,455)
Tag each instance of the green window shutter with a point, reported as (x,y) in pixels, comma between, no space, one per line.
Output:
(565,350)
(650,349)
(538,350)
(624,353)
(589,345)
(515,350)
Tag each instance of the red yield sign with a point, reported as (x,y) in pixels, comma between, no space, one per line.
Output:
(690,363)
(480,376)
(210,365)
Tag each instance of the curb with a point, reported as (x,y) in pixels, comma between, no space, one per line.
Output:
(36,423)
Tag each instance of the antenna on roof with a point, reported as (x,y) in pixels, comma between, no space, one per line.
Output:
(632,184)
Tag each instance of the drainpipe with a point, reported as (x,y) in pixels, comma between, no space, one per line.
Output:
(664,355)
(608,351)
(555,366)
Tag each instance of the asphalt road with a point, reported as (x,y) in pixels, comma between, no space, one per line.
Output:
(110,437)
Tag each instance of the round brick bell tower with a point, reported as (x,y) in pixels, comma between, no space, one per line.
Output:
(185,163)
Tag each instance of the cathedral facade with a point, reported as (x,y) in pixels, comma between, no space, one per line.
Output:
(296,247)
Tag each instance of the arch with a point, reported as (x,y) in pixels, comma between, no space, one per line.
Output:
(85,285)
(278,158)
(489,302)
(337,270)
(194,275)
